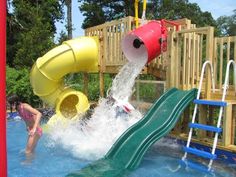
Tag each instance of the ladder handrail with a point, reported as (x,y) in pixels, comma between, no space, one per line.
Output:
(226,83)
(227,77)
(198,95)
(202,74)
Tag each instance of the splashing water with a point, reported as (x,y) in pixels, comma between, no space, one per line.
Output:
(124,81)
(91,139)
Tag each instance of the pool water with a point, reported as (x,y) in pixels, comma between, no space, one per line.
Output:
(54,161)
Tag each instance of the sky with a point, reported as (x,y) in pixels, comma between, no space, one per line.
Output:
(217,8)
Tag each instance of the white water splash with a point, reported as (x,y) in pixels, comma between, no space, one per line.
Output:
(91,139)
(124,81)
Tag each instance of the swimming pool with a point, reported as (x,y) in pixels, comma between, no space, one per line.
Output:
(54,161)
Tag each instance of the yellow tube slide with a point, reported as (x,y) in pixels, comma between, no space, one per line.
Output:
(47,75)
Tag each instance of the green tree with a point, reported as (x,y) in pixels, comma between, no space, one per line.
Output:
(50,11)
(13,29)
(30,30)
(177,9)
(33,43)
(227,25)
(62,37)
(18,83)
(99,11)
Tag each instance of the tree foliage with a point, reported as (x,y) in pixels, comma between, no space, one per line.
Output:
(18,82)
(30,30)
(227,24)
(177,9)
(99,11)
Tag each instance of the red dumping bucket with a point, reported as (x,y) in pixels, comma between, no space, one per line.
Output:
(145,42)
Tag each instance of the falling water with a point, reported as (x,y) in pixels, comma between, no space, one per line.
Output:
(91,138)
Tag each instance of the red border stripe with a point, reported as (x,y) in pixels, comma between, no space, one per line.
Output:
(3,149)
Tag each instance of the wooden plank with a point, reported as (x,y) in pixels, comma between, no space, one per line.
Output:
(86,81)
(184,23)
(211,120)
(201,51)
(228,49)
(178,61)
(101,83)
(209,56)
(188,62)
(173,69)
(110,35)
(202,30)
(202,120)
(221,62)
(186,120)
(193,59)
(198,61)
(114,57)
(119,42)
(227,123)
(233,126)
(184,61)
(104,50)
(215,61)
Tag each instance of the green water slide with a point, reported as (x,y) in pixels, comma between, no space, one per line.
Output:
(127,152)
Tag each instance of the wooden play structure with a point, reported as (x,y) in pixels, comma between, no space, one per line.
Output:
(180,66)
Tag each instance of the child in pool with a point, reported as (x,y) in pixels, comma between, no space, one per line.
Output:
(31,117)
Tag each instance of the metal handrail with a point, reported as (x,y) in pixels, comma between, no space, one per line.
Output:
(226,84)
(201,78)
(227,77)
(225,87)
(198,96)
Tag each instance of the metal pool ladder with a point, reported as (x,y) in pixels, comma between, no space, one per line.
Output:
(221,104)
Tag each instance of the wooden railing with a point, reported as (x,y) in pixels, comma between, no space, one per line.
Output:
(180,66)
(110,35)
(224,50)
(191,47)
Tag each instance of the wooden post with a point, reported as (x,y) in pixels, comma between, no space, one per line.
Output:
(234,125)
(202,120)
(184,62)
(221,62)
(177,58)
(186,119)
(227,125)
(172,69)
(86,80)
(210,120)
(101,83)
(209,56)
(103,58)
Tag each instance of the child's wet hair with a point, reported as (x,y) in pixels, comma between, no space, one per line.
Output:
(13,100)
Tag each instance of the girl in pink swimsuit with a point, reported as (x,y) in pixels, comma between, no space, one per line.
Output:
(31,118)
